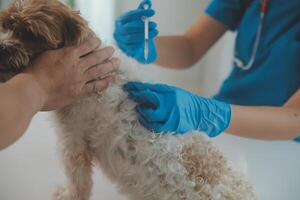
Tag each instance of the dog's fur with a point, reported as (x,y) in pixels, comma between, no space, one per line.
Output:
(104,130)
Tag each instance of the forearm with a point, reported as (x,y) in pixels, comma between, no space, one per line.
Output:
(265,123)
(179,52)
(20,100)
(174,52)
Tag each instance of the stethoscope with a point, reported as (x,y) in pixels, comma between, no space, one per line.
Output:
(237,61)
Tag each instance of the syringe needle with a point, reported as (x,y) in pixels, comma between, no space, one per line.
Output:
(146,50)
(146,46)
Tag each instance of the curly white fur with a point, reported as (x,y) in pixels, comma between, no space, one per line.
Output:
(105,130)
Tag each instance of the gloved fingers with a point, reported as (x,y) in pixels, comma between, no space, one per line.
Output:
(151,114)
(155,127)
(146,98)
(137,51)
(172,124)
(136,27)
(140,54)
(135,15)
(138,86)
(148,2)
(136,38)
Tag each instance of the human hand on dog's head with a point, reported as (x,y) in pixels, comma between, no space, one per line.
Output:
(36,30)
(64,75)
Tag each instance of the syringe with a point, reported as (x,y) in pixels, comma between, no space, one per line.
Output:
(146,48)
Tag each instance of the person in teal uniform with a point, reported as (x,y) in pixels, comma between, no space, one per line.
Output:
(260,98)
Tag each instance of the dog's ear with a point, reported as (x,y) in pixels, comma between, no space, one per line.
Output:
(30,21)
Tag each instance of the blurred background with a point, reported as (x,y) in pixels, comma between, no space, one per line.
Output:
(30,169)
(205,77)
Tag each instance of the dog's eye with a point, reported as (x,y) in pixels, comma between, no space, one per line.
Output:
(26,35)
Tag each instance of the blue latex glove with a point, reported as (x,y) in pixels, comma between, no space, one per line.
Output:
(163,108)
(129,33)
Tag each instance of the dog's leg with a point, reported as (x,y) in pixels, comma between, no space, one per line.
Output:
(78,169)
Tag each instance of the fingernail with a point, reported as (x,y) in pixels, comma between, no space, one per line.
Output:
(111,49)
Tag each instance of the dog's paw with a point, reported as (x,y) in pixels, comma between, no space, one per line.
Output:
(61,193)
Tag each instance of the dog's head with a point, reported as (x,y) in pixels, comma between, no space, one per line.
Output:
(29,27)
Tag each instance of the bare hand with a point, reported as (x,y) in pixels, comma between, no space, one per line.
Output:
(65,75)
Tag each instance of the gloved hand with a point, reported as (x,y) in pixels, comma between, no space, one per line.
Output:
(129,33)
(163,108)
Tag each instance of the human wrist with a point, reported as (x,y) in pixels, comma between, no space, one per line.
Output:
(215,116)
(32,91)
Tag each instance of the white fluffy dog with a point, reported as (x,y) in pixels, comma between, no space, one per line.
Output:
(103,129)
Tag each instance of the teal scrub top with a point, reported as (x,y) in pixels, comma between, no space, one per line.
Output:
(275,75)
